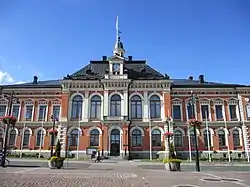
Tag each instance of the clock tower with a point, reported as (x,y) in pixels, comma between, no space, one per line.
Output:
(116,62)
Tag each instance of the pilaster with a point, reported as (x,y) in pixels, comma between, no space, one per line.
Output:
(86,106)
(145,106)
(106,103)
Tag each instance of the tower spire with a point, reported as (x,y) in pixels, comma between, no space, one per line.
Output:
(119,50)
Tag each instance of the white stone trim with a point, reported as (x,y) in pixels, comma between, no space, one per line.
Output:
(180,105)
(226,134)
(70,104)
(138,128)
(19,111)
(122,102)
(4,101)
(142,102)
(28,103)
(121,133)
(211,134)
(240,134)
(220,102)
(56,101)
(46,111)
(233,102)
(160,129)
(74,128)
(191,131)
(93,128)
(102,103)
(186,109)
(6,108)
(44,134)
(15,129)
(180,129)
(161,102)
(205,102)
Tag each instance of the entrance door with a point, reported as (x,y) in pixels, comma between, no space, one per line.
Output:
(115,143)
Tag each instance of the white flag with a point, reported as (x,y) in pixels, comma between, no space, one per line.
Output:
(117,24)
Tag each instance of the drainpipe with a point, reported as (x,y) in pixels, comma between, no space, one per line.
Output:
(129,121)
(103,87)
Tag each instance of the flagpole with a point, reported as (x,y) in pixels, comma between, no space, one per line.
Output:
(78,137)
(41,136)
(226,131)
(189,146)
(208,138)
(21,150)
(150,135)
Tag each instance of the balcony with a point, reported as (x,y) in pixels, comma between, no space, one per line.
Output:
(114,119)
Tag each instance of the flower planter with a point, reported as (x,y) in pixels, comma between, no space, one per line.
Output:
(173,166)
(55,163)
(51,164)
(9,120)
(59,164)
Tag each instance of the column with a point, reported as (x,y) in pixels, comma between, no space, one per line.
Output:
(86,106)
(106,103)
(145,106)
(125,95)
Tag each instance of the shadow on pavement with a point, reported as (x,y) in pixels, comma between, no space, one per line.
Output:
(23,166)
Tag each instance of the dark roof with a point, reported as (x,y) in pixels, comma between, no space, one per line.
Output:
(40,84)
(186,83)
(135,70)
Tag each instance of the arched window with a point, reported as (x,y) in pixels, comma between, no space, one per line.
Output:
(74,135)
(207,137)
(26,138)
(40,137)
(156,138)
(95,108)
(94,137)
(12,138)
(136,107)
(236,137)
(222,138)
(115,105)
(178,138)
(76,111)
(136,138)
(155,107)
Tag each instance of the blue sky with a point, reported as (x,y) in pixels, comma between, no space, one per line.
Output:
(52,38)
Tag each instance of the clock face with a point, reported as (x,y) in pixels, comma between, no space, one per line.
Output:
(116,67)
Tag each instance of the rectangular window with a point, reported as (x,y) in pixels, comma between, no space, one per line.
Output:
(56,111)
(42,113)
(177,112)
(2,110)
(190,112)
(29,112)
(15,111)
(205,112)
(219,112)
(248,111)
(233,112)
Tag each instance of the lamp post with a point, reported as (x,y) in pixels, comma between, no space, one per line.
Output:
(168,136)
(192,102)
(11,98)
(53,134)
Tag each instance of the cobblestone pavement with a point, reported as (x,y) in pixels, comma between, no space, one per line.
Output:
(126,174)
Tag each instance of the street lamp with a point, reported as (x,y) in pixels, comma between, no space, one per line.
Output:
(53,134)
(168,121)
(11,98)
(192,103)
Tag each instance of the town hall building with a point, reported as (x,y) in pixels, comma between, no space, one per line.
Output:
(121,106)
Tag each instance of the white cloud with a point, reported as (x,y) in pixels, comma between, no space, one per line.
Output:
(6,78)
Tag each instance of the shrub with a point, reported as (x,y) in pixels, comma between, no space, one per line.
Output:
(166,160)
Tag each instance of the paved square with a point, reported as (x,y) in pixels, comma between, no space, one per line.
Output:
(123,174)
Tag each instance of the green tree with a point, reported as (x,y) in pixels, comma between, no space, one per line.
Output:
(58,149)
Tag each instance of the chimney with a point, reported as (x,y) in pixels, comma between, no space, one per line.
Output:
(104,58)
(201,79)
(191,78)
(35,80)
(130,58)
